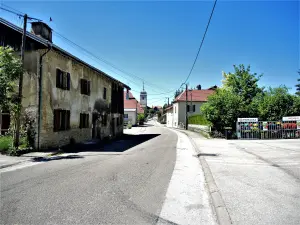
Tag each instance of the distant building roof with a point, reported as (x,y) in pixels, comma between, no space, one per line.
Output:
(194,95)
(132,103)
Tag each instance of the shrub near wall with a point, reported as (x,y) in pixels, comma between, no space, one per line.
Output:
(199,120)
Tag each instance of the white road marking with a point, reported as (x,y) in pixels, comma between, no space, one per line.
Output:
(19,166)
(187,200)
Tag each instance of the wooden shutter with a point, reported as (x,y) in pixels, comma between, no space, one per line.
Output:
(58,78)
(68,119)
(80,120)
(68,81)
(188,108)
(88,87)
(56,120)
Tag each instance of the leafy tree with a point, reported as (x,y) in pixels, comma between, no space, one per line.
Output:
(275,103)
(298,85)
(222,108)
(177,92)
(244,84)
(10,70)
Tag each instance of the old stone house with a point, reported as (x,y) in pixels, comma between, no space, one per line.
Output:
(66,98)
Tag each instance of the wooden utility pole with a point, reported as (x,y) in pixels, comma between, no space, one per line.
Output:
(18,122)
(168,102)
(191,107)
(186,103)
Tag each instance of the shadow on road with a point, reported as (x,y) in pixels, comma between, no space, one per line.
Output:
(46,159)
(120,144)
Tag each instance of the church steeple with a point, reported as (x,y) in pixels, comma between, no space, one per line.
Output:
(143,97)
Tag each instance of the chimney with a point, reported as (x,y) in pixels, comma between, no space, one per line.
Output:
(42,30)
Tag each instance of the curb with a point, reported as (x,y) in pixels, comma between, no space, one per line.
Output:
(219,206)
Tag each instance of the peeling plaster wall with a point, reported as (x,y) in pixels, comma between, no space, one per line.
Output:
(73,100)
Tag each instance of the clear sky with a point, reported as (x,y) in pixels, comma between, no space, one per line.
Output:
(158,41)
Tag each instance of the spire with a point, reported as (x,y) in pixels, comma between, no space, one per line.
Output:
(143,86)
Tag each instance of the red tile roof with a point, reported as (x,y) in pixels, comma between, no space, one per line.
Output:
(132,103)
(195,95)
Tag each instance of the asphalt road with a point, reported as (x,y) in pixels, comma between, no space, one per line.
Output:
(126,186)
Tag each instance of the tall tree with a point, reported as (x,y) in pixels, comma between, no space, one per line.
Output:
(298,85)
(244,84)
(177,92)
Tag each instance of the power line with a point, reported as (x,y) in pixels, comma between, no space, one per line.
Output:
(108,63)
(211,14)
(21,15)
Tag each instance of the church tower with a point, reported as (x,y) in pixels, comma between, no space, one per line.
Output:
(143,97)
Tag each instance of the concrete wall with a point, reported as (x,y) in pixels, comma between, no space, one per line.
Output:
(170,118)
(175,114)
(73,100)
(131,116)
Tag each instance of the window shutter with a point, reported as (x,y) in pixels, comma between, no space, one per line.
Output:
(194,108)
(68,81)
(80,121)
(68,119)
(87,120)
(58,78)
(89,87)
(188,108)
(56,120)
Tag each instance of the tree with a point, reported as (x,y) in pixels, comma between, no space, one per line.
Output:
(245,84)
(10,70)
(222,108)
(298,85)
(177,92)
(276,103)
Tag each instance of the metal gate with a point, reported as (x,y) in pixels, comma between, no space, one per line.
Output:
(251,128)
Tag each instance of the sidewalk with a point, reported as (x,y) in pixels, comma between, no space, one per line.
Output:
(253,187)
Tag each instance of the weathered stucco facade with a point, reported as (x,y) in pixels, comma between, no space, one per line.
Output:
(101,103)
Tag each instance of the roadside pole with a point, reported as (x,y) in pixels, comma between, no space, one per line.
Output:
(18,122)
(186,103)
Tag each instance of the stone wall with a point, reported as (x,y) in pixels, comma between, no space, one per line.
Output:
(73,100)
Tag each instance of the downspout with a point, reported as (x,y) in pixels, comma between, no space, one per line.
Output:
(40,96)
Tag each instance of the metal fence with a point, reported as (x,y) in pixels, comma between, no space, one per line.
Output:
(268,130)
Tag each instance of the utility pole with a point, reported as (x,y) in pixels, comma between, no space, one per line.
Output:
(186,103)
(168,102)
(191,107)
(18,123)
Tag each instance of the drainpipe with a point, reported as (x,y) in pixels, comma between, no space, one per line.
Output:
(40,96)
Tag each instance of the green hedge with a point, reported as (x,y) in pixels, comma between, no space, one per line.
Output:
(199,120)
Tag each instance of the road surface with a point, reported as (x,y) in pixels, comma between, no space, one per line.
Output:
(132,181)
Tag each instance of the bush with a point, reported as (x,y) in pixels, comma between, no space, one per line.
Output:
(5,143)
(199,120)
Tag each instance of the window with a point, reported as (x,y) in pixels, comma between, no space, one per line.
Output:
(84,120)
(61,120)
(175,109)
(143,98)
(104,93)
(194,108)
(85,87)
(104,120)
(125,116)
(188,108)
(62,79)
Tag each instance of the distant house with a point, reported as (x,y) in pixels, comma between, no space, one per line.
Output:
(176,113)
(66,98)
(132,108)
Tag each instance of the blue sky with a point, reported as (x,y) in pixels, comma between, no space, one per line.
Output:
(158,41)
